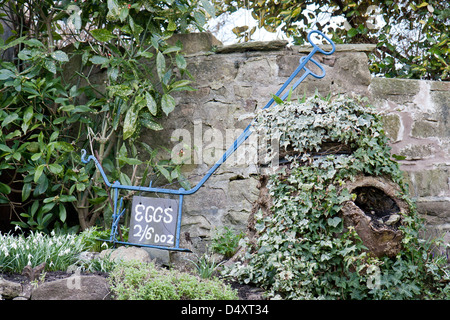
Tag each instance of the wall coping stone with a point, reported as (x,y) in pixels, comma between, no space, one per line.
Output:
(204,43)
(357,47)
(273,45)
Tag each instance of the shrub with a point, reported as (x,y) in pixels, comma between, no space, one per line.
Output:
(205,265)
(139,281)
(226,242)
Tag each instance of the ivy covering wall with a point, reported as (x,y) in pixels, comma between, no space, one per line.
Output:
(301,248)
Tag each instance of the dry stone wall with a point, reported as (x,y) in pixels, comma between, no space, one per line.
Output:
(232,82)
(418,123)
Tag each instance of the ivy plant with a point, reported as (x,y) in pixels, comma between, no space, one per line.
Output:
(302,250)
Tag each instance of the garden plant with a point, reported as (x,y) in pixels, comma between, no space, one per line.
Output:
(87,74)
(301,247)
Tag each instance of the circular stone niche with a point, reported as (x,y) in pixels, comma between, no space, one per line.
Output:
(376,213)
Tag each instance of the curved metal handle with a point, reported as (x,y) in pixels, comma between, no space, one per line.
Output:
(316,47)
(99,166)
(307,70)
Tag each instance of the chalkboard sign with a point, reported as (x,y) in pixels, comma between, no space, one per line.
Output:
(153,221)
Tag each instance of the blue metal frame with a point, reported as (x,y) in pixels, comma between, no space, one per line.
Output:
(245,134)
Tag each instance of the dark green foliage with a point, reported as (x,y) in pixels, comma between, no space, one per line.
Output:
(87,74)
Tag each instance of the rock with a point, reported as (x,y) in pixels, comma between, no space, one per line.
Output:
(76,287)
(9,289)
(126,254)
(33,273)
(87,256)
(253,46)
(393,126)
(360,47)
(377,229)
(195,42)
(393,219)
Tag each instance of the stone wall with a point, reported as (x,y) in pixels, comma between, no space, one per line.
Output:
(418,123)
(232,82)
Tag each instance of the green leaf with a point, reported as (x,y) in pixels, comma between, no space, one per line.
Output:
(151,104)
(36,156)
(99,60)
(26,190)
(184,182)
(67,198)
(172,26)
(5,74)
(13,43)
(124,179)
(145,54)
(50,66)
(352,32)
(55,168)
(181,62)
(38,172)
(123,13)
(209,7)
(5,148)
(10,118)
(167,103)
(46,208)
(151,124)
(4,188)
(50,199)
(28,114)
(25,55)
(120,90)
(398,157)
(62,212)
(180,84)
(277,99)
(34,43)
(60,56)
(164,172)
(160,65)
(129,124)
(172,49)
(200,18)
(334,222)
(130,161)
(102,35)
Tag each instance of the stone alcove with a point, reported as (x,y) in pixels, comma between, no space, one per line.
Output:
(376,214)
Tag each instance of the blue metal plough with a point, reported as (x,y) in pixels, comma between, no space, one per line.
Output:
(118,210)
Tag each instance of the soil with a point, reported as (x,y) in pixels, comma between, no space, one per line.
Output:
(49,276)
